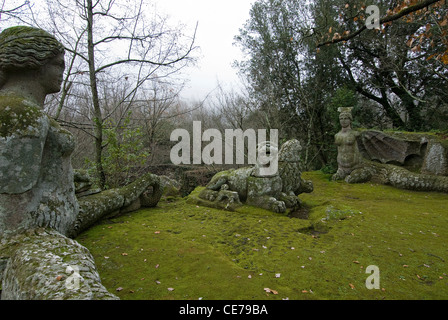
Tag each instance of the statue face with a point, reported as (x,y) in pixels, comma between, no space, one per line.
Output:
(345,121)
(51,74)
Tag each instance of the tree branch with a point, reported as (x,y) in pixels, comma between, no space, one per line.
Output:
(386,19)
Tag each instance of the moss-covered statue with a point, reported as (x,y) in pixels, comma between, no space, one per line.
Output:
(251,185)
(38,206)
(36,176)
(353,168)
(348,153)
(36,179)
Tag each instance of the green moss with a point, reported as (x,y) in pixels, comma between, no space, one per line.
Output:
(217,254)
(16,115)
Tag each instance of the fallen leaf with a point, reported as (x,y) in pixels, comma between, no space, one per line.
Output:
(157,265)
(59,278)
(124,254)
(351,286)
(157,232)
(119,289)
(356,261)
(304,291)
(270,291)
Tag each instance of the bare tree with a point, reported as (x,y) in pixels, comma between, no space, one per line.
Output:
(111,41)
(12,12)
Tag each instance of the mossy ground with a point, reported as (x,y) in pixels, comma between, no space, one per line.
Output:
(208,253)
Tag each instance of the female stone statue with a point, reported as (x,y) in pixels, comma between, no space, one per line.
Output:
(36,177)
(355,169)
(348,153)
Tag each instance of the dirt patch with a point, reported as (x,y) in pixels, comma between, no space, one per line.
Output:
(301,213)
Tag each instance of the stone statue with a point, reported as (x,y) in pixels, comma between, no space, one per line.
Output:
(39,209)
(274,192)
(36,177)
(348,153)
(353,168)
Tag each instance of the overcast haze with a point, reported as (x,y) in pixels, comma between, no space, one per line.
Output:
(218,23)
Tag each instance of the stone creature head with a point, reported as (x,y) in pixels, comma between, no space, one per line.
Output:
(266,152)
(267,158)
(26,48)
(290,151)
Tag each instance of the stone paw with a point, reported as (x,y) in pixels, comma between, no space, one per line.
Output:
(277,206)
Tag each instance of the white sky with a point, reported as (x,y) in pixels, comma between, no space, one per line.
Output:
(218,23)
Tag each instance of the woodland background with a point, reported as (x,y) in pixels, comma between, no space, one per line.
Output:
(303,60)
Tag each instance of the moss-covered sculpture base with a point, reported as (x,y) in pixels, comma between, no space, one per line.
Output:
(396,176)
(42,264)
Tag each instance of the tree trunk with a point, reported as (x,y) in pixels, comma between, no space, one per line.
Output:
(98,118)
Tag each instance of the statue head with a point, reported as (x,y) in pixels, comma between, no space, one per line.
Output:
(267,159)
(26,49)
(345,116)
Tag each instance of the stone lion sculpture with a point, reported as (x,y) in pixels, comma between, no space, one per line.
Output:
(275,192)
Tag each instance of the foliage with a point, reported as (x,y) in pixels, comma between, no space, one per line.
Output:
(394,77)
(399,66)
(124,154)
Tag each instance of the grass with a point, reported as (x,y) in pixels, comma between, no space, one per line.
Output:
(180,250)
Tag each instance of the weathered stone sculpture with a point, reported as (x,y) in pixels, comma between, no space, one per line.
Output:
(38,203)
(353,168)
(289,170)
(275,192)
(36,177)
(420,152)
(348,153)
